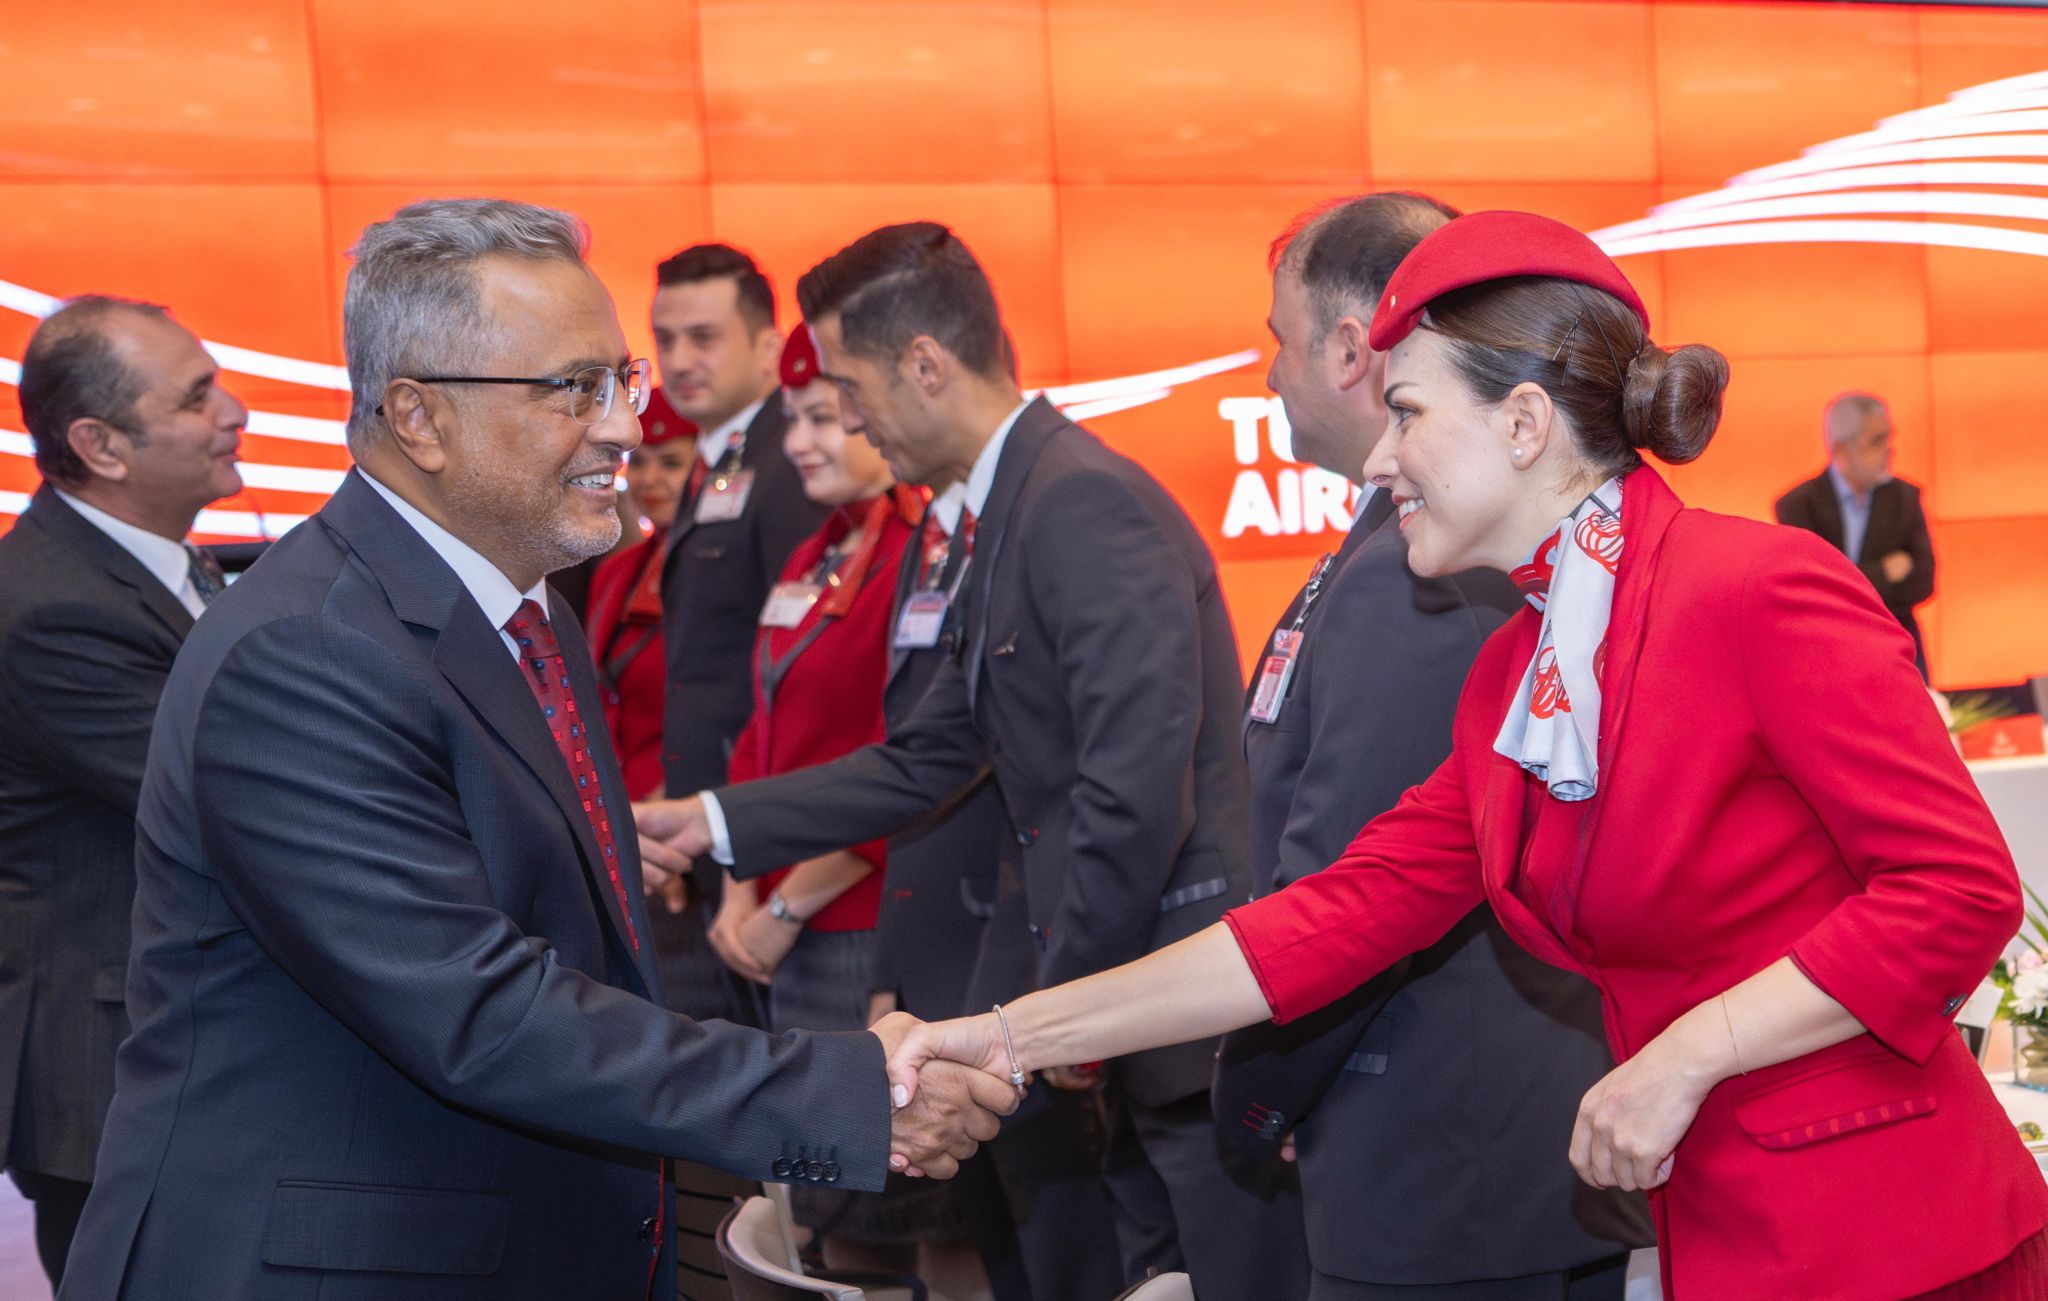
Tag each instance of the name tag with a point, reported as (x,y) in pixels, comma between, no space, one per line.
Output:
(724,497)
(921,620)
(1275,671)
(788,604)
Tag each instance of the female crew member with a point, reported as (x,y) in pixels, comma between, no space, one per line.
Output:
(1700,769)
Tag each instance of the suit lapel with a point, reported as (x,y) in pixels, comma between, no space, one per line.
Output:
(468,651)
(906,578)
(1035,426)
(1887,520)
(1827,510)
(1376,515)
(56,517)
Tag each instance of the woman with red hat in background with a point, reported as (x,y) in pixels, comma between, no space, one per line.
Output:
(806,933)
(1699,769)
(625,597)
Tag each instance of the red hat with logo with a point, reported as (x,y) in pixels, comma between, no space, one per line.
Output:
(1483,246)
(660,422)
(799,358)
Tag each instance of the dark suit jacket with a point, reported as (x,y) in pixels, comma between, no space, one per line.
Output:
(1897,523)
(940,891)
(1455,1074)
(87,635)
(1100,679)
(390,1038)
(716,579)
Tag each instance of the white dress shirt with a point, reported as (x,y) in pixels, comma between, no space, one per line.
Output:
(711,447)
(981,479)
(166,560)
(485,582)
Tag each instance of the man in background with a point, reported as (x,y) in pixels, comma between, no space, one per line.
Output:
(98,586)
(1869,516)
(742,512)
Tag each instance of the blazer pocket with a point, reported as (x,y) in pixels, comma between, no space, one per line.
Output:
(370,1227)
(1866,1089)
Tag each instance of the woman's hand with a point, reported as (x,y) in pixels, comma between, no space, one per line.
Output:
(735,907)
(975,1041)
(1631,1122)
(767,940)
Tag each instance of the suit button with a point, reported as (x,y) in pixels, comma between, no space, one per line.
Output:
(831,1172)
(781,1167)
(1953,1006)
(815,1171)
(647,1228)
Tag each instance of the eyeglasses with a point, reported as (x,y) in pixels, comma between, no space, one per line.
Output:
(590,389)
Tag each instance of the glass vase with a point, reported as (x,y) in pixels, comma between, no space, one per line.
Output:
(2030,1057)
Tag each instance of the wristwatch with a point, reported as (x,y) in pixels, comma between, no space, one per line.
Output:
(778,908)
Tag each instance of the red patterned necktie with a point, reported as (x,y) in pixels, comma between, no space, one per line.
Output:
(540,661)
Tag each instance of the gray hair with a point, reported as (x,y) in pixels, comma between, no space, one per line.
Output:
(1846,415)
(413,305)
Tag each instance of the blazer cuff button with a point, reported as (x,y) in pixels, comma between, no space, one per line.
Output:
(781,1167)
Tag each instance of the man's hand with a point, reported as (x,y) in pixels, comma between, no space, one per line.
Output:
(975,1041)
(956,1110)
(678,828)
(1898,566)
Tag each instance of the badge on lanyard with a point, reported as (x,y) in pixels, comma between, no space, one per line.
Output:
(921,620)
(724,497)
(789,603)
(1274,672)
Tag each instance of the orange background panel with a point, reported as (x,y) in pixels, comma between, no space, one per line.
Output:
(803,90)
(1979,301)
(1723,87)
(1174,90)
(1510,89)
(605,90)
(1994,599)
(1965,47)
(1013,230)
(205,88)
(1799,300)
(1991,453)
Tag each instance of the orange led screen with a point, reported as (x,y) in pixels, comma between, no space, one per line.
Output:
(1837,196)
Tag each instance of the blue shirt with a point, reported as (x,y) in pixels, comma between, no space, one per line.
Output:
(1855,515)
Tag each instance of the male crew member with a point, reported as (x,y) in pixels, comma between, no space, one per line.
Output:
(134,435)
(1098,675)
(396,1021)
(1866,514)
(1426,1171)
(743,511)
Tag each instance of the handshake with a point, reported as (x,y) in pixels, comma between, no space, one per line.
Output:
(949,1084)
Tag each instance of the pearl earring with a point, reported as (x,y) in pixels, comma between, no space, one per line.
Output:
(1518,453)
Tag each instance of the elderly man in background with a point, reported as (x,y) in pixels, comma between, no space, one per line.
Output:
(397,1025)
(1866,514)
(134,436)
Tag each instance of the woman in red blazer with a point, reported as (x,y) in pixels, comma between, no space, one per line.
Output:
(1700,770)
(625,599)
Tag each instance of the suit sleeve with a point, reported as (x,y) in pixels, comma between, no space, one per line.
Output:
(1919,584)
(869,794)
(1411,874)
(1845,719)
(1120,597)
(351,863)
(85,685)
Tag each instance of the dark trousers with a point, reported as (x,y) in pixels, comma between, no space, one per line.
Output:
(1604,1280)
(1184,1204)
(1060,1221)
(59,1202)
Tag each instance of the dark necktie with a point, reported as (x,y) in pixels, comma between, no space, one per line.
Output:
(205,573)
(540,662)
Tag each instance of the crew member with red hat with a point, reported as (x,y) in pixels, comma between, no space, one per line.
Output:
(625,598)
(1699,769)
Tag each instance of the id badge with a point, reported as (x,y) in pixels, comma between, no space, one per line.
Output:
(724,497)
(788,604)
(922,619)
(1275,671)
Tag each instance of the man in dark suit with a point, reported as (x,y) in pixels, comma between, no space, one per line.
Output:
(1865,513)
(397,1031)
(743,511)
(1097,675)
(134,436)
(1428,1109)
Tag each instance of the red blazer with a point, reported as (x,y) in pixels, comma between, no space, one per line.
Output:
(1773,781)
(828,701)
(632,675)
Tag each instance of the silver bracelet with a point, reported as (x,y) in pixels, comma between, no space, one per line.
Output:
(1010,1047)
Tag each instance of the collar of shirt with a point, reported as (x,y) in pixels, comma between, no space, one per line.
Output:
(1843,492)
(167,561)
(711,447)
(982,477)
(1365,496)
(946,507)
(484,581)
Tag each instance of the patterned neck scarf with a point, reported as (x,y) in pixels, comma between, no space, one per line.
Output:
(1553,727)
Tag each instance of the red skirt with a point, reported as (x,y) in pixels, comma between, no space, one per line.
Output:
(2021,1276)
